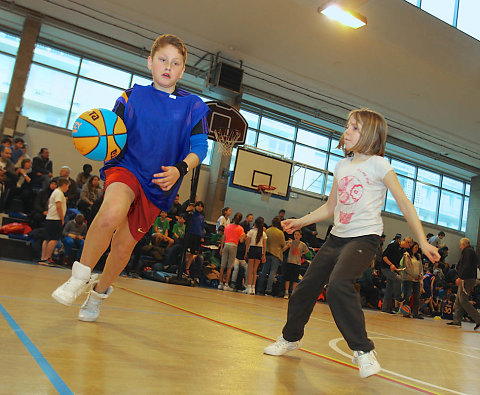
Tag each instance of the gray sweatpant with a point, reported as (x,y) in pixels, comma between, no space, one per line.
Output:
(340,262)
(463,305)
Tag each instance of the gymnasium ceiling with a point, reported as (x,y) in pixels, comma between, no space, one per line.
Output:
(423,74)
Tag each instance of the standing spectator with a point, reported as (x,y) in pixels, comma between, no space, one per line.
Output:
(281,214)
(427,295)
(223,219)
(194,238)
(57,207)
(247,223)
(24,185)
(40,205)
(275,247)
(72,193)
(175,211)
(391,269)
(379,254)
(84,175)
(412,276)
(437,240)
(228,250)
(42,168)
(297,250)
(256,247)
(467,274)
(74,236)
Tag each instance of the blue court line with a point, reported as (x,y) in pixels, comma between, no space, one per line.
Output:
(51,374)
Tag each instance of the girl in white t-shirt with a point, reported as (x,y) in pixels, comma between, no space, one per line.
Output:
(358,191)
(255,250)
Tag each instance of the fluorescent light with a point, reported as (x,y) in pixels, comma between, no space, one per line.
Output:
(350,19)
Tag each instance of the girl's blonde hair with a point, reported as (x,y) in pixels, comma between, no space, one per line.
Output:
(373,136)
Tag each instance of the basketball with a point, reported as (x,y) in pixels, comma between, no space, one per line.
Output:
(99,134)
(405,309)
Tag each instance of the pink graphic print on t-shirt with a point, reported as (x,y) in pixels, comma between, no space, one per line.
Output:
(350,191)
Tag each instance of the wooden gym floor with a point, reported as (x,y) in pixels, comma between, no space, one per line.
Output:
(155,338)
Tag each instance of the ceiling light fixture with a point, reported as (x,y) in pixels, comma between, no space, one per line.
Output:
(347,18)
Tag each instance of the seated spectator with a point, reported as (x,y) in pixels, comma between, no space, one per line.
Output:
(161,227)
(72,193)
(90,198)
(74,234)
(57,207)
(84,176)
(369,291)
(23,156)
(40,204)
(178,231)
(6,142)
(17,149)
(10,176)
(42,169)
(24,190)
(437,240)
(216,238)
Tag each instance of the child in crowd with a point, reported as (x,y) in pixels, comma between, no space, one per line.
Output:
(178,231)
(54,221)
(194,238)
(228,250)
(74,234)
(161,227)
(255,252)
(412,277)
(356,199)
(216,238)
(294,260)
(167,137)
(224,219)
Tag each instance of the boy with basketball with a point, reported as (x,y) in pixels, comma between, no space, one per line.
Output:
(356,199)
(166,138)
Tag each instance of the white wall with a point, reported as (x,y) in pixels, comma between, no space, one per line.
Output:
(62,152)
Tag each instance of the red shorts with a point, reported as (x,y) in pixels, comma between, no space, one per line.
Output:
(143,212)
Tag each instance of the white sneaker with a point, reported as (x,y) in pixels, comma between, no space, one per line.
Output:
(246,290)
(227,287)
(77,284)
(367,363)
(281,346)
(286,296)
(252,289)
(90,310)
(220,286)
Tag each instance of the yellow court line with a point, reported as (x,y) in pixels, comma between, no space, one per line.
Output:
(331,359)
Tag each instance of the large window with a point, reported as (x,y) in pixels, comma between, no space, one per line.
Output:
(8,50)
(462,14)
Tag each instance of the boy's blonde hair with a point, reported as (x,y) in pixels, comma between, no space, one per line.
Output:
(169,39)
(373,136)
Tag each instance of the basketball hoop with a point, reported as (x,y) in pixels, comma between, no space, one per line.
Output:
(266,191)
(226,139)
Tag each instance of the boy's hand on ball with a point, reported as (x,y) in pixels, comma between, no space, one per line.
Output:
(166,179)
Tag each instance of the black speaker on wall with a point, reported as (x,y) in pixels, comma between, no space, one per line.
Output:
(228,77)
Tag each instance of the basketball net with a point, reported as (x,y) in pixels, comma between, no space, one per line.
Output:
(226,139)
(266,192)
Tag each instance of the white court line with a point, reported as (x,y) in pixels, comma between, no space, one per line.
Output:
(333,344)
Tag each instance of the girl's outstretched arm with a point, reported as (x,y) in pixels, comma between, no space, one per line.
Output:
(320,214)
(408,210)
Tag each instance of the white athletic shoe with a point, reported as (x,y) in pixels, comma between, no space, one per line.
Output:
(90,310)
(227,287)
(220,286)
(367,363)
(281,346)
(77,284)
(246,290)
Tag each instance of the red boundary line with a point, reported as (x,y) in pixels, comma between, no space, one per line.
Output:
(268,338)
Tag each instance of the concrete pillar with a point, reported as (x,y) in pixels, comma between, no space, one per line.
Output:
(31,29)
(473,219)
(219,175)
